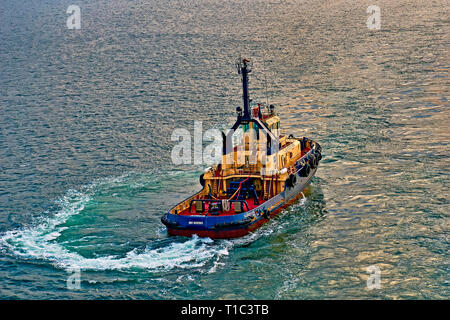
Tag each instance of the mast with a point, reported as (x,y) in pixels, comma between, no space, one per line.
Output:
(244,69)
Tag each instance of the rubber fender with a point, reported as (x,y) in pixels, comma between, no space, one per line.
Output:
(318,147)
(289,182)
(316,161)
(301,172)
(293,179)
(319,155)
(312,162)
(304,174)
(307,170)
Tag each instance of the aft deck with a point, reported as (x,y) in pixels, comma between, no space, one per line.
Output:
(214,207)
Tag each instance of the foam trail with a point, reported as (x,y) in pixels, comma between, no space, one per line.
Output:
(39,242)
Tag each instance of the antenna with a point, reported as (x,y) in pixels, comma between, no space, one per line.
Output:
(244,68)
(264,63)
(239,64)
(265,81)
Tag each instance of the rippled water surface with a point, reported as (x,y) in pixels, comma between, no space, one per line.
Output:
(85,169)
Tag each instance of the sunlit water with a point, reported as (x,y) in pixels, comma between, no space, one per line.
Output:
(86,119)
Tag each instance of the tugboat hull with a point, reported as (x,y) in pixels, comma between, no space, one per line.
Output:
(235,226)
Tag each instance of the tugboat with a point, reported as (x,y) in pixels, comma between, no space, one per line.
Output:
(262,172)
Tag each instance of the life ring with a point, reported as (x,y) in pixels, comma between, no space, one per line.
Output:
(202,180)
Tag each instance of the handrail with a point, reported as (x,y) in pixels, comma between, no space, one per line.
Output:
(217,200)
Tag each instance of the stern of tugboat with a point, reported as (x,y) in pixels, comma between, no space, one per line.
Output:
(230,226)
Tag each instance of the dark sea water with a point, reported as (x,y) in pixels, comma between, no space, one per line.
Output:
(85,166)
